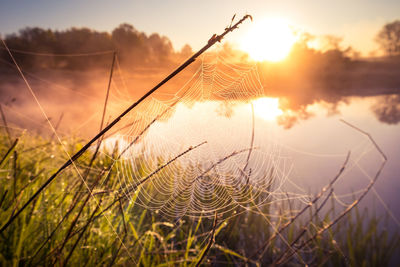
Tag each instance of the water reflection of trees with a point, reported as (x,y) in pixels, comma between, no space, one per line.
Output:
(306,77)
(387,109)
(310,76)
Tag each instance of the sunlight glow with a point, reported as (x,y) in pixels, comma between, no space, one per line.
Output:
(267,108)
(269,39)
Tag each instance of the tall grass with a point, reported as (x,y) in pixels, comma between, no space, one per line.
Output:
(66,225)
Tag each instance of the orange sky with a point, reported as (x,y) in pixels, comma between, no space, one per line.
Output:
(193,22)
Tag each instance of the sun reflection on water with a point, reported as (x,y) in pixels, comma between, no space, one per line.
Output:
(267,108)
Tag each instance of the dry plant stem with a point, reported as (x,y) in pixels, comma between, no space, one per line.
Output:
(211,42)
(108,90)
(123,217)
(74,202)
(251,144)
(136,139)
(57,125)
(92,218)
(346,259)
(115,255)
(210,242)
(265,246)
(127,148)
(77,196)
(17,200)
(102,120)
(122,128)
(73,223)
(9,151)
(3,117)
(323,203)
(3,197)
(73,205)
(276,231)
(81,234)
(202,175)
(369,137)
(286,255)
(125,193)
(222,160)
(15,173)
(162,167)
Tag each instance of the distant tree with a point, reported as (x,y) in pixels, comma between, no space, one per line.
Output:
(186,51)
(130,44)
(134,48)
(389,38)
(160,48)
(330,42)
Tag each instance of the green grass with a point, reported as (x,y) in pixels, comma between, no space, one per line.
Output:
(66,225)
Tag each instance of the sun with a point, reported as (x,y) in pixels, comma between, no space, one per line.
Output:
(267,108)
(269,40)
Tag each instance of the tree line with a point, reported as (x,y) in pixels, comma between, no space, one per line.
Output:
(82,48)
(33,47)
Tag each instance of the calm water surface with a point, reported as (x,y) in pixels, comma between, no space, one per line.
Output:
(306,156)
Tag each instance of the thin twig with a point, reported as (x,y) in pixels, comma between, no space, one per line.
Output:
(9,151)
(3,116)
(108,91)
(57,125)
(81,234)
(264,247)
(211,42)
(102,120)
(210,241)
(251,144)
(15,173)
(176,194)
(125,193)
(122,128)
(283,259)
(74,221)
(3,197)
(74,203)
(114,257)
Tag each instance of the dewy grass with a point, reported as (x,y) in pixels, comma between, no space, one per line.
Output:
(65,225)
(98,137)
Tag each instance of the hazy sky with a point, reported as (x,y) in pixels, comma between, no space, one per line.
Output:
(194,22)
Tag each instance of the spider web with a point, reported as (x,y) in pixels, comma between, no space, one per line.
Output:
(182,154)
(186,168)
